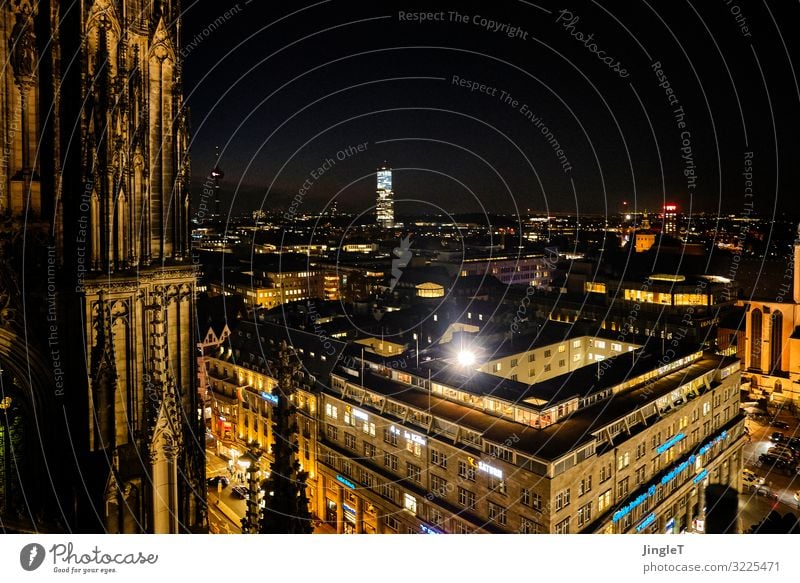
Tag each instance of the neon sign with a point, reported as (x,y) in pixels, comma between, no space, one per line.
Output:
(711,444)
(345,481)
(669,443)
(360,415)
(414,438)
(425,529)
(673,473)
(668,477)
(651,518)
(269,397)
(491,470)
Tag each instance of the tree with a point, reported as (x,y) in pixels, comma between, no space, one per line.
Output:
(286,502)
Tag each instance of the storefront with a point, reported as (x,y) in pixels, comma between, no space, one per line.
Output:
(330,512)
(224,429)
(349,519)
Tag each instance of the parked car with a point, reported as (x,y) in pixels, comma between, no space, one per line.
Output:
(241,492)
(750,479)
(782,451)
(214,480)
(778,437)
(779,462)
(779,424)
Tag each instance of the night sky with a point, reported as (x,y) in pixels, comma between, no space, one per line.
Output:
(284,87)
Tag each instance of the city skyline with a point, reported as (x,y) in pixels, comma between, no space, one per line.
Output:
(621,137)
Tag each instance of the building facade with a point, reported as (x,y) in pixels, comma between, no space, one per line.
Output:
(243,392)
(269,289)
(431,451)
(772,339)
(522,269)
(94,207)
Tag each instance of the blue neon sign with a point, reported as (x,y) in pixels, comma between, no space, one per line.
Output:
(711,444)
(673,473)
(651,518)
(345,481)
(668,477)
(425,529)
(269,397)
(669,443)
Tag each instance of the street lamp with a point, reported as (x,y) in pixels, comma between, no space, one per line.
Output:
(246,460)
(466,358)
(250,464)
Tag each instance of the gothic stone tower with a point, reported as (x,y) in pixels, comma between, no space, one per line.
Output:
(96,280)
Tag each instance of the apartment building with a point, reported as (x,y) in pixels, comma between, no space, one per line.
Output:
(523,268)
(243,391)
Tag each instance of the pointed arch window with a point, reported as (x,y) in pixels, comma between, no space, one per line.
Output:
(755,339)
(775,341)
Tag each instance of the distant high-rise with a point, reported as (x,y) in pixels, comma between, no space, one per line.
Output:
(384,207)
(670,225)
(216,175)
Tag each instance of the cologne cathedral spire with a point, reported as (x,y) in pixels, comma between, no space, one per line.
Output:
(94,195)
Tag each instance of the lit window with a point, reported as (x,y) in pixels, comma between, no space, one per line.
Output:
(604,500)
(410,503)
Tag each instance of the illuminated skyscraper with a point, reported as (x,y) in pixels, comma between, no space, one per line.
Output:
(384,207)
(670,219)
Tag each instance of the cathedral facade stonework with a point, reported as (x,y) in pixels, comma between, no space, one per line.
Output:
(99,428)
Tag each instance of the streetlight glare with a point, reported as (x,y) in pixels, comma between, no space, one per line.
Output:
(466,358)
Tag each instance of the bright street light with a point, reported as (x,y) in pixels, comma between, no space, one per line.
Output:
(466,358)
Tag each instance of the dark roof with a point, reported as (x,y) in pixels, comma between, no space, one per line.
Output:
(216,312)
(581,382)
(256,345)
(556,440)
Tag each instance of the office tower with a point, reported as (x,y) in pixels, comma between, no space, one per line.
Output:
(384,207)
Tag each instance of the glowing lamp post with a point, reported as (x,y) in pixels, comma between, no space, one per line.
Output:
(250,464)
(466,358)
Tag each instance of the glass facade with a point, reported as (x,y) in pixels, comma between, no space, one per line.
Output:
(384,206)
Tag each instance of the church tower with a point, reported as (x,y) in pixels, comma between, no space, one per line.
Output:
(94,202)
